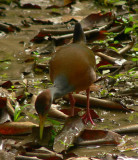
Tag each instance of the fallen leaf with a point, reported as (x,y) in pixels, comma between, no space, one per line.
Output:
(96,20)
(71,130)
(95,102)
(3,102)
(98,137)
(16,128)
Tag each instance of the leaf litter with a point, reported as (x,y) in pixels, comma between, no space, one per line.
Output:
(113,39)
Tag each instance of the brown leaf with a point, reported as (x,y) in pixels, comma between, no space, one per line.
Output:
(95,102)
(3,102)
(44,153)
(94,87)
(68,111)
(76,110)
(16,128)
(68,2)
(72,129)
(7,84)
(96,19)
(4,116)
(30,6)
(94,137)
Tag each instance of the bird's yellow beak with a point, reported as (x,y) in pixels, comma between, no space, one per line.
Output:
(41,124)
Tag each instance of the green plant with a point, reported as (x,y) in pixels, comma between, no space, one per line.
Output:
(12,88)
(18,110)
(66,144)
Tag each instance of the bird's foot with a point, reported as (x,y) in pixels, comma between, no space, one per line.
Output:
(87,117)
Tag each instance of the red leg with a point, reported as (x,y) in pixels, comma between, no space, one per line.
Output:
(72,103)
(87,116)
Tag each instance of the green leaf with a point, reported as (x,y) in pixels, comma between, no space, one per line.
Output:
(131,18)
(18,110)
(36,53)
(113,48)
(134,59)
(54,122)
(128,30)
(135,49)
(104,66)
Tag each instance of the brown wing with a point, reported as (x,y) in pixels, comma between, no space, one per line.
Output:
(77,63)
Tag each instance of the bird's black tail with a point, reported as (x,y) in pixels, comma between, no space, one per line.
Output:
(79,35)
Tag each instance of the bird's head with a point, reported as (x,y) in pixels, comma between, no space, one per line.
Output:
(42,105)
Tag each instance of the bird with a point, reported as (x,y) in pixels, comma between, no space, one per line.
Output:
(72,68)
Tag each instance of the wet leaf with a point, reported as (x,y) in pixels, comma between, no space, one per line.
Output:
(53,112)
(95,102)
(44,153)
(30,6)
(3,102)
(4,116)
(96,20)
(96,137)
(7,84)
(16,128)
(40,37)
(68,111)
(39,21)
(65,139)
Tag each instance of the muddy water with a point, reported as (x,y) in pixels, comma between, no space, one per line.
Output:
(13,45)
(110,121)
(13,52)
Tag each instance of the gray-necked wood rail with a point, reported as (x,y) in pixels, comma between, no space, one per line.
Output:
(72,68)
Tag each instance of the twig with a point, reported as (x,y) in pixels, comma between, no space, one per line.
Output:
(26,158)
(107,58)
(95,102)
(127,47)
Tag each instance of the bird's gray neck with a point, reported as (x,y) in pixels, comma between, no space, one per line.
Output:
(55,93)
(60,87)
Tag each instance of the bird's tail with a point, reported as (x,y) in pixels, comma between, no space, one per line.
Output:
(79,35)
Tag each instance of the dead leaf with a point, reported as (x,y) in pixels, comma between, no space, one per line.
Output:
(7,84)
(94,87)
(95,102)
(96,137)
(16,128)
(65,139)
(3,102)
(4,116)
(68,111)
(96,19)
(30,6)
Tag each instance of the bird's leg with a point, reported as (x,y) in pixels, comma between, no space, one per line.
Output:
(87,116)
(72,103)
